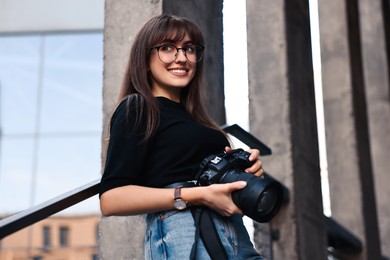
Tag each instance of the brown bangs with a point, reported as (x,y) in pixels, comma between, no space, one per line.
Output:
(173,29)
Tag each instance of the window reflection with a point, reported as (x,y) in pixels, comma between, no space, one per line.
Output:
(19,64)
(50,116)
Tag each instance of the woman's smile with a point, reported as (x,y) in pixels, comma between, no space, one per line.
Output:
(178,72)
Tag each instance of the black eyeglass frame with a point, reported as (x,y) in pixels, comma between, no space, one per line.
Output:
(177,51)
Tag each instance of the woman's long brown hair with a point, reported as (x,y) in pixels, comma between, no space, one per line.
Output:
(137,81)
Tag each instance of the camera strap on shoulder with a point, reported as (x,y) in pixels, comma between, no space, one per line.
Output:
(206,230)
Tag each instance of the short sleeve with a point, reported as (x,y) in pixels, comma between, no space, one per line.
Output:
(127,149)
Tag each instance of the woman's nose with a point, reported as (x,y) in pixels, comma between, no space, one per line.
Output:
(181,56)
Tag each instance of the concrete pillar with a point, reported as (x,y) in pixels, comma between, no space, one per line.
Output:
(122,237)
(386,24)
(208,15)
(349,160)
(376,81)
(282,114)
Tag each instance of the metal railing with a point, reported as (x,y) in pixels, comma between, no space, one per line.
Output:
(340,240)
(31,216)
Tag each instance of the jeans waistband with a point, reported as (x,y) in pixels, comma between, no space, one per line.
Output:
(186,184)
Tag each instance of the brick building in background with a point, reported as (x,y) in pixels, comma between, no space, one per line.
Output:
(57,237)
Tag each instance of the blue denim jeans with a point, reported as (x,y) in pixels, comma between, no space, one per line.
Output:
(171,235)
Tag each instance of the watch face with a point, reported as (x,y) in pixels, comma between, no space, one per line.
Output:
(179,204)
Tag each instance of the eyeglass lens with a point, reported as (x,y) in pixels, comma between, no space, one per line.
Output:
(168,52)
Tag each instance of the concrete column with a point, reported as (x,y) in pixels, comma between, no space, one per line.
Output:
(376,81)
(122,237)
(208,16)
(282,114)
(349,160)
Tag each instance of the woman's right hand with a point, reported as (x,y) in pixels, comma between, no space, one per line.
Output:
(218,197)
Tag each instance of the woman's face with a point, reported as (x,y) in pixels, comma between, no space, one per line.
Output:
(168,79)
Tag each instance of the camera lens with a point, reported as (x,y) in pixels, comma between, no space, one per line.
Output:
(268,203)
(260,200)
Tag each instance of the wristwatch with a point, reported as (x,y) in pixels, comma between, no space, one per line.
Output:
(178,202)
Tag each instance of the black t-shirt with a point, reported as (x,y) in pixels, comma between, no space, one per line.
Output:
(172,154)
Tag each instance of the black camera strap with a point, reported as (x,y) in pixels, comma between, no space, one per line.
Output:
(205,229)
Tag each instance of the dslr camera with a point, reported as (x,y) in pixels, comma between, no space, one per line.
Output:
(261,198)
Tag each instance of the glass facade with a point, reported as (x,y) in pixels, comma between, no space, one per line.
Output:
(50,117)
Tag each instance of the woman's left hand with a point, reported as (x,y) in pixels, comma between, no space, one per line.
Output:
(257,167)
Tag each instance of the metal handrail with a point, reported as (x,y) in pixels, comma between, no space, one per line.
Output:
(30,216)
(339,238)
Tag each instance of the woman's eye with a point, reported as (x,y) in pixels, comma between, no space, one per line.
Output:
(167,48)
(189,49)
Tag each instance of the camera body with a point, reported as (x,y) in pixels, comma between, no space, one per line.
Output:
(260,200)
(214,167)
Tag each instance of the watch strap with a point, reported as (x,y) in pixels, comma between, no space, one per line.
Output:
(177,194)
(178,202)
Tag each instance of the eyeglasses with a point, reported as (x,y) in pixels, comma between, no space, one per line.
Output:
(167,53)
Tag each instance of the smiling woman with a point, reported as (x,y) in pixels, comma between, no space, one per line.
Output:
(159,134)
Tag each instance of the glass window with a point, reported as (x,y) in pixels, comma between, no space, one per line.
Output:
(46,237)
(19,73)
(72,84)
(50,117)
(64,236)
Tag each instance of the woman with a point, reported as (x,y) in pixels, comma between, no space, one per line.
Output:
(159,134)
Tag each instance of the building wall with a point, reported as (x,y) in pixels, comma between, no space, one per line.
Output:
(42,21)
(29,242)
(44,15)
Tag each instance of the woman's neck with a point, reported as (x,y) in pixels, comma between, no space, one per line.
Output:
(169,95)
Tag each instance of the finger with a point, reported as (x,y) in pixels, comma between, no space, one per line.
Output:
(237,185)
(259,173)
(256,168)
(227,149)
(255,154)
(256,165)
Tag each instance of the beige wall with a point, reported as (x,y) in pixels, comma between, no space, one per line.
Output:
(82,239)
